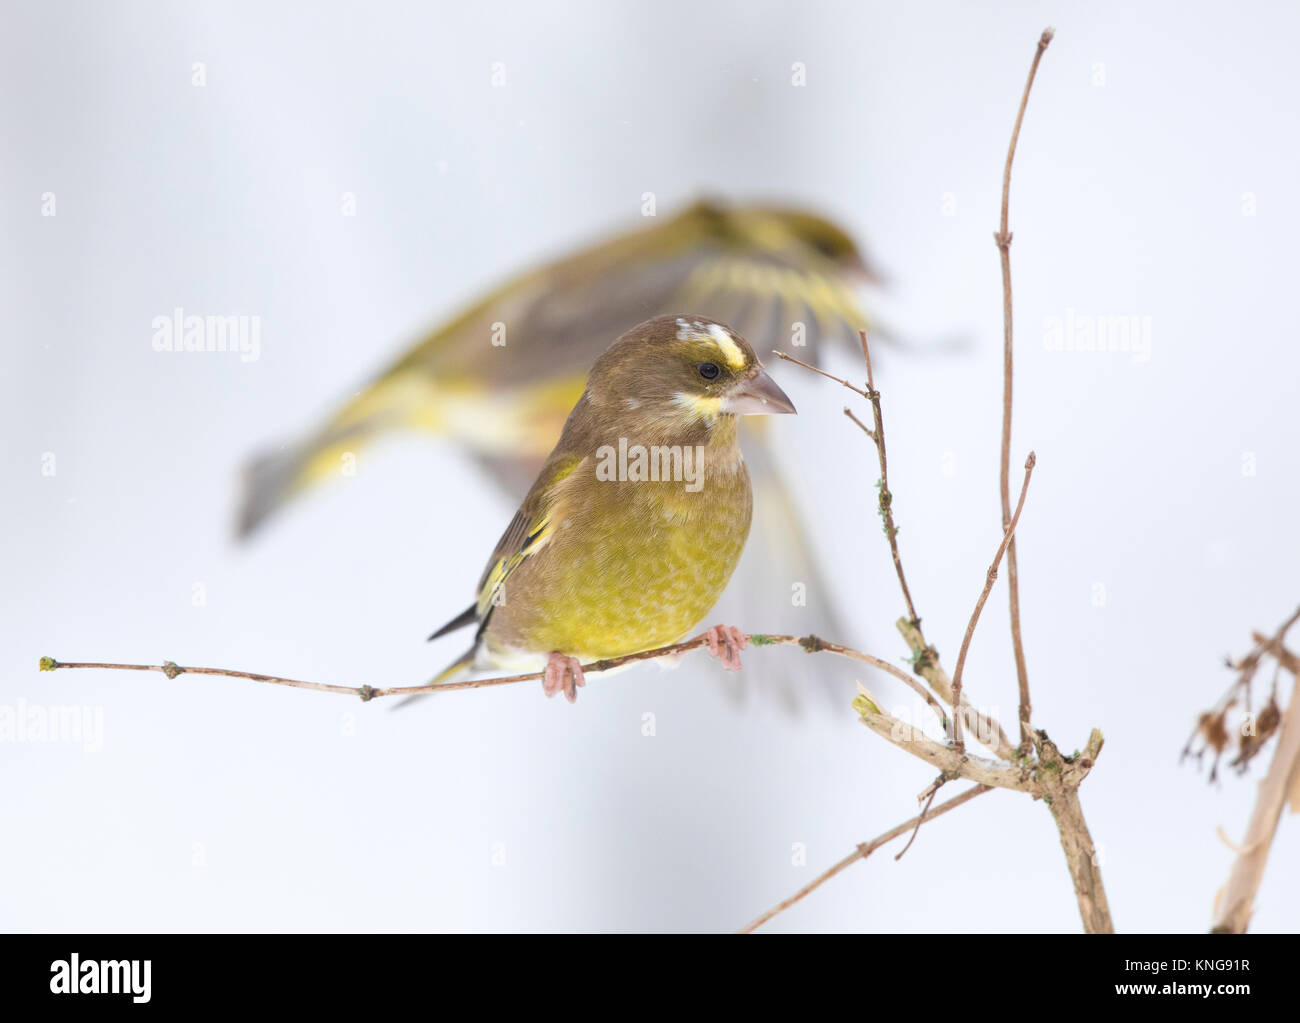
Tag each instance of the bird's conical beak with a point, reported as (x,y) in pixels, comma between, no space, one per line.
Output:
(757,396)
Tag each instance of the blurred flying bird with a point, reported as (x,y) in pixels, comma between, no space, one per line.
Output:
(500,378)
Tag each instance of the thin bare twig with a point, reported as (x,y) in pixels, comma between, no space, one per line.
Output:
(862,852)
(866,357)
(886,495)
(820,372)
(1003,240)
(877,435)
(863,426)
(1008,538)
(812,644)
(921,817)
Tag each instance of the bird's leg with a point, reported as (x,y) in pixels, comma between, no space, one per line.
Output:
(725,643)
(563,674)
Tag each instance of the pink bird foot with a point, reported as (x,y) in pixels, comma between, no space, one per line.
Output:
(563,674)
(725,643)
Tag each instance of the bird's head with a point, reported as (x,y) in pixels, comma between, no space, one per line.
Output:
(787,230)
(683,371)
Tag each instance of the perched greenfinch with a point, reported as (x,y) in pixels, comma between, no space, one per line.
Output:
(638,516)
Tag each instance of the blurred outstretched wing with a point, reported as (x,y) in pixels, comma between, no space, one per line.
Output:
(500,377)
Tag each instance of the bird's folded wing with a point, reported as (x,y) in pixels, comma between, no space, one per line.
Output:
(528,532)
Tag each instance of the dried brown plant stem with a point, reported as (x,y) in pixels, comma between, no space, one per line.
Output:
(1003,240)
(1008,537)
(862,852)
(1237,900)
(1246,668)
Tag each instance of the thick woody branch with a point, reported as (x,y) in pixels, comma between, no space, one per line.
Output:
(1081,858)
(1040,778)
(1060,777)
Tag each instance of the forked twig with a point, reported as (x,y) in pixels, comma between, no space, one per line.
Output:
(1007,539)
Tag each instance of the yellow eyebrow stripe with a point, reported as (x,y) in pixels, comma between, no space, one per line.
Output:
(730,350)
(732,354)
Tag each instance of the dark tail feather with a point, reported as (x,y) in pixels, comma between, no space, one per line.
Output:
(269,481)
(467,617)
(460,666)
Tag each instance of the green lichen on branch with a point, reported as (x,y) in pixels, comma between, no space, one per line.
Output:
(884,505)
(922,659)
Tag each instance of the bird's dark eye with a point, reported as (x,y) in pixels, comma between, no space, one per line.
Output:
(709,370)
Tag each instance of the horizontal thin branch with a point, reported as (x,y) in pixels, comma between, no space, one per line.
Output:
(812,644)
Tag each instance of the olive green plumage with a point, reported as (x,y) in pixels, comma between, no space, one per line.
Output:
(640,513)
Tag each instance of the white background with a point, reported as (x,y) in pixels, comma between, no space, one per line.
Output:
(217,804)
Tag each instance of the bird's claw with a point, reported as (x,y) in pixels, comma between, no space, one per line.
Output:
(725,643)
(563,674)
